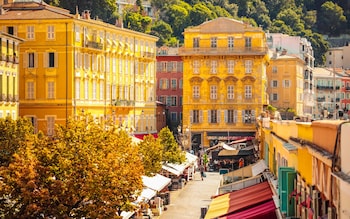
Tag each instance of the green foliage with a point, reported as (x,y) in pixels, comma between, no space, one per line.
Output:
(331,19)
(151,152)
(172,152)
(163,31)
(201,13)
(85,172)
(137,22)
(271,108)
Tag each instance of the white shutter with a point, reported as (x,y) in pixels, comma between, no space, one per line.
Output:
(200,116)
(235,116)
(191,116)
(56,60)
(35,60)
(45,61)
(225,116)
(25,60)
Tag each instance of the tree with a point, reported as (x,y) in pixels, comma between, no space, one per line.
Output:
(178,17)
(135,21)
(331,19)
(163,31)
(172,153)
(200,13)
(85,171)
(151,152)
(105,10)
(13,134)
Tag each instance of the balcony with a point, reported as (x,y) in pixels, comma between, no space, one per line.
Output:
(125,103)
(324,87)
(347,88)
(94,45)
(207,51)
(148,55)
(321,99)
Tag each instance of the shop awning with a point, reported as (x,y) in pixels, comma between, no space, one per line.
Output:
(265,210)
(127,214)
(171,170)
(146,194)
(225,152)
(157,182)
(259,167)
(141,136)
(240,200)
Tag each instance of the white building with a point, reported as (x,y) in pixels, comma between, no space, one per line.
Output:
(302,48)
(121,4)
(338,57)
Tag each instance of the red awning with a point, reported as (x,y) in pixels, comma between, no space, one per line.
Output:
(262,211)
(141,136)
(239,200)
(238,141)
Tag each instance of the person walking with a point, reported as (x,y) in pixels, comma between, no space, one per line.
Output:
(202,171)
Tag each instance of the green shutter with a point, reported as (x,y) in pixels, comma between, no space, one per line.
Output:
(286,177)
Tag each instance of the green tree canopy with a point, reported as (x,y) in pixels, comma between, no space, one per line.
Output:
(135,21)
(151,152)
(172,152)
(331,19)
(201,13)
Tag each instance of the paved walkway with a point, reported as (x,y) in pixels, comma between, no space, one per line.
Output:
(186,203)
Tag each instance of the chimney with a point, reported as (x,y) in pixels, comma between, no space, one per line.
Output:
(284,52)
(86,14)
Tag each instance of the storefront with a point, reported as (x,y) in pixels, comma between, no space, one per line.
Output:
(215,137)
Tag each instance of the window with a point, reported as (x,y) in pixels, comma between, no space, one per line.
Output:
(248,91)
(248,42)
(274,69)
(51,90)
(180,100)
(171,66)
(11,30)
(195,116)
(195,92)
(196,42)
(230,42)
(164,66)
(248,116)
(248,64)
(179,66)
(213,116)
(94,89)
(230,92)
(30,32)
(31,60)
(50,125)
(286,83)
(173,84)
(77,33)
(86,89)
(77,88)
(213,92)
(52,60)
(213,67)
(163,84)
(231,116)
(173,116)
(230,66)
(162,99)
(50,32)
(195,67)
(213,42)
(173,101)
(168,100)
(274,83)
(30,90)
(274,97)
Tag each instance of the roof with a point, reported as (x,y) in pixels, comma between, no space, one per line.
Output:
(157,182)
(239,200)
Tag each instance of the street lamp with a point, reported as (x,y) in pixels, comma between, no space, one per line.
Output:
(188,138)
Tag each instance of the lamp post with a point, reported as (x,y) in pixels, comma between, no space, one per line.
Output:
(188,138)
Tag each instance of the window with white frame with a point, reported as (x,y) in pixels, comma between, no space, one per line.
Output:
(195,116)
(180,100)
(51,60)
(274,97)
(274,83)
(181,83)
(77,88)
(230,42)
(164,65)
(230,66)
(173,83)
(30,32)
(102,92)
(213,66)
(86,61)
(30,90)
(248,64)
(213,42)
(50,32)
(168,100)
(248,116)
(214,116)
(248,92)
(50,120)
(114,91)
(163,84)
(286,83)
(108,91)
(196,67)
(162,99)
(230,92)
(107,64)
(50,90)
(213,92)
(173,100)
(86,89)
(195,92)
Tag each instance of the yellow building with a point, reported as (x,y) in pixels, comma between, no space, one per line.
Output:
(73,63)
(285,89)
(9,75)
(224,82)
